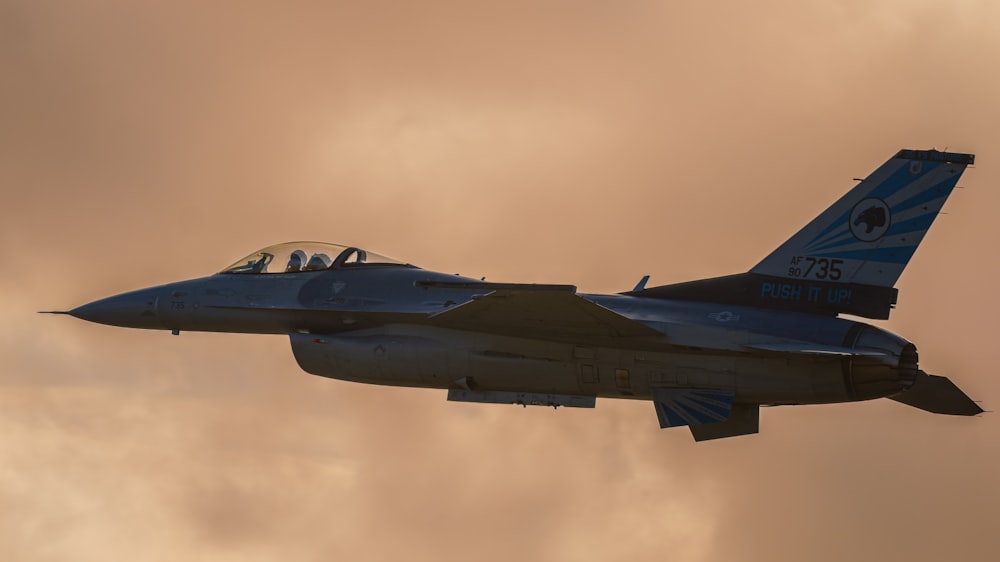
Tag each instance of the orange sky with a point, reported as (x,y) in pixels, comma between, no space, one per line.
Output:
(566,142)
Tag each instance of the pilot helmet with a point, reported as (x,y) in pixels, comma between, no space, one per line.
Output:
(296,261)
(317,262)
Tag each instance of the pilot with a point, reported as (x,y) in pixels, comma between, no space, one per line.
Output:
(296,261)
(317,262)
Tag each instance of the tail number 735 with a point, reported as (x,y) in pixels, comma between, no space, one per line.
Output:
(816,268)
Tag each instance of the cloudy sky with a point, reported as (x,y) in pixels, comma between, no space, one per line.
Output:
(566,142)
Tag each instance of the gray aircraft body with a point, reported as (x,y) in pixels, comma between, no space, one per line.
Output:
(707,353)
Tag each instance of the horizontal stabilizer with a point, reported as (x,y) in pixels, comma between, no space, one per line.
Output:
(813,349)
(744,419)
(938,395)
(549,314)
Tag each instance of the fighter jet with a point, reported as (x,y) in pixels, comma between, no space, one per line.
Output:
(707,353)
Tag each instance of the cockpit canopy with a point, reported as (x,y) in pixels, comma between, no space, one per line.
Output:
(295,257)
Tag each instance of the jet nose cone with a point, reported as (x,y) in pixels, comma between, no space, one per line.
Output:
(136,309)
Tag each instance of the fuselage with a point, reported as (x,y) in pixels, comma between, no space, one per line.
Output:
(707,353)
(378,324)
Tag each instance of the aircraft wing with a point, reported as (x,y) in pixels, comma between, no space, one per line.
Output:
(540,312)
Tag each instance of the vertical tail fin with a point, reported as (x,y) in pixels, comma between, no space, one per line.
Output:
(868,236)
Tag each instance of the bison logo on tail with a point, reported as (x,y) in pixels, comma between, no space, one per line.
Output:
(870,219)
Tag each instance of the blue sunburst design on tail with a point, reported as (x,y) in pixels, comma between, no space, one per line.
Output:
(869,235)
(679,406)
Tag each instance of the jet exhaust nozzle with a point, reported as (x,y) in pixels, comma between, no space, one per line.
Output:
(891,368)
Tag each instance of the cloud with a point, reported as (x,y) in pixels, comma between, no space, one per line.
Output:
(550,142)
